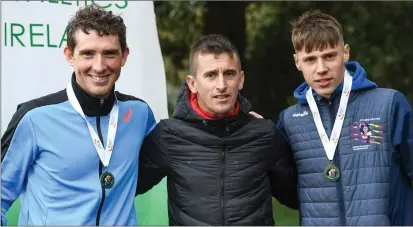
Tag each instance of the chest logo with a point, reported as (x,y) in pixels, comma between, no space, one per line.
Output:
(366,133)
(303,114)
(127,115)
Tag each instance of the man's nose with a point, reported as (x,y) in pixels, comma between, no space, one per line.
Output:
(221,83)
(99,65)
(321,67)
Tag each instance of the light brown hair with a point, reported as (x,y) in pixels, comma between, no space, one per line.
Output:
(315,30)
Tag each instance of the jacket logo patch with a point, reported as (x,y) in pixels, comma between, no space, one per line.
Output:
(127,115)
(366,133)
(305,113)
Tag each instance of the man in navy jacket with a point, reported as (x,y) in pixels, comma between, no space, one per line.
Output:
(352,141)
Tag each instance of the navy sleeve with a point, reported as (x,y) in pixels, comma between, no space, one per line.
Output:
(285,169)
(280,125)
(283,173)
(402,132)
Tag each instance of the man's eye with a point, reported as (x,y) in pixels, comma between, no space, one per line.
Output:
(110,54)
(229,73)
(330,56)
(88,54)
(209,75)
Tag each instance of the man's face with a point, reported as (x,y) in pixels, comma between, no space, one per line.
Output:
(323,70)
(216,83)
(97,61)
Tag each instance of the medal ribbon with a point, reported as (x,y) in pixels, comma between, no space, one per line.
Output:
(331,144)
(104,154)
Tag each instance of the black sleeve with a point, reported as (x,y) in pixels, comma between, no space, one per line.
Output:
(22,109)
(152,160)
(283,172)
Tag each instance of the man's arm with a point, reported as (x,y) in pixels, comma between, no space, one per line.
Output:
(152,157)
(283,174)
(19,150)
(402,133)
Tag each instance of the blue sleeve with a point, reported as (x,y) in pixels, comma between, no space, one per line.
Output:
(280,124)
(19,157)
(402,132)
(150,123)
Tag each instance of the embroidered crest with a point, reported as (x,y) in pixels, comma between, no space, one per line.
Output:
(366,132)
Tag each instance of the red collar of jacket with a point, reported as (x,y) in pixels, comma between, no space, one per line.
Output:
(193,101)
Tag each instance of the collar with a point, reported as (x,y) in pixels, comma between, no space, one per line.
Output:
(92,106)
(332,96)
(206,115)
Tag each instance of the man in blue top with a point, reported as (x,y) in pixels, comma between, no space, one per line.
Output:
(72,156)
(345,177)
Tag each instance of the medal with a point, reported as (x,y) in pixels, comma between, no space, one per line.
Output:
(107,180)
(331,172)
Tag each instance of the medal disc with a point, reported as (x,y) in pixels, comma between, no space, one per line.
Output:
(107,180)
(331,172)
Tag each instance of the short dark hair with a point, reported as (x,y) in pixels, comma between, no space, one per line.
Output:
(93,17)
(315,30)
(212,44)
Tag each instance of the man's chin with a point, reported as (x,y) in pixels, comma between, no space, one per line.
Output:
(222,112)
(324,92)
(100,93)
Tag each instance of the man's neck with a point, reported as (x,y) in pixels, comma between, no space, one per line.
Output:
(92,105)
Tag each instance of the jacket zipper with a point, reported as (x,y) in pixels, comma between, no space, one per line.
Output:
(223,170)
(337,162)
(100,166)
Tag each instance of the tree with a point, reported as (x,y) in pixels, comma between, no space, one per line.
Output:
(228,19)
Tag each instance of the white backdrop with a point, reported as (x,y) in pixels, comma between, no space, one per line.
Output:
(33,65)
(39,67)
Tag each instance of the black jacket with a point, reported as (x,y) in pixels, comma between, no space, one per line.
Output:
(219,172)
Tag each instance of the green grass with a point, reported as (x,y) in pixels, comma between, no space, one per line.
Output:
(12,215)
(283,215)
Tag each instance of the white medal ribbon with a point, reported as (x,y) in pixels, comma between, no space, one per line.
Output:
(331,144)
(104,154)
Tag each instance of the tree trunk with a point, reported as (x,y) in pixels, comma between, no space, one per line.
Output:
(227,19)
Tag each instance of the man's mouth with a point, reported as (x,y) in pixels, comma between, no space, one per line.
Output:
(100,78)
(324,82)
(221,97)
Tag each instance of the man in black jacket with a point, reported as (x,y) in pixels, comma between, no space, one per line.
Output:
(222,164)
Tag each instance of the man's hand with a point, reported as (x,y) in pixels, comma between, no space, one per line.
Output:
(255,115)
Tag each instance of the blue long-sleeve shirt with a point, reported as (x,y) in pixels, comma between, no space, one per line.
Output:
(48,159)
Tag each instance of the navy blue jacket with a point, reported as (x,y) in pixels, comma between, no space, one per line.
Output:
(375,186)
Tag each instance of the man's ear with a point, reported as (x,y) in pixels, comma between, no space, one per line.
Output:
(191,82)
(346,53)
(241,84)
(297,64)
(125,56)
(68,55)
